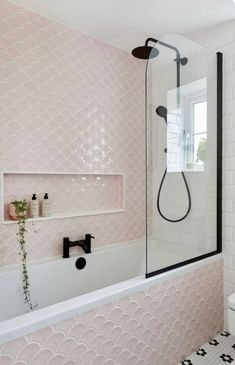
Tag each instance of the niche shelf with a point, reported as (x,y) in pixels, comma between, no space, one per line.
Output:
(71,194)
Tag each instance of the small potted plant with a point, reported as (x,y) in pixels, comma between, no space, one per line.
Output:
(20,214)
(201,151)
(22,209)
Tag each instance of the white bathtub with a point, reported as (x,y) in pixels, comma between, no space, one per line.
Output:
(62,291)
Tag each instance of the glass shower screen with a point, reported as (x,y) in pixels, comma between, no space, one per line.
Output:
(182,157)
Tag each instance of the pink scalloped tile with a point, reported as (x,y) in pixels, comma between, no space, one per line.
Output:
(69,103)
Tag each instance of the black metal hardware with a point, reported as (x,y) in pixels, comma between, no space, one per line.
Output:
(219,147)
(84,244)
(80,263)
(163,44)
(162,112)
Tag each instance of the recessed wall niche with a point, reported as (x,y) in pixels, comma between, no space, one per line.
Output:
(71,195)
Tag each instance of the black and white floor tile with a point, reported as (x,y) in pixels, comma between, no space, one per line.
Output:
(219,351)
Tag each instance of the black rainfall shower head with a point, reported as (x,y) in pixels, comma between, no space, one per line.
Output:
(162,112)
(145,52)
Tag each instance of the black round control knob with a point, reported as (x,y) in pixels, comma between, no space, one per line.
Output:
(80,263)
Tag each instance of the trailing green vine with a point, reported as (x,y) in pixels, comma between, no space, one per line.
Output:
(21,207)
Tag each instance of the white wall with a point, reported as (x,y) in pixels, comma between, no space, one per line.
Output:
(196,235)
(223,39)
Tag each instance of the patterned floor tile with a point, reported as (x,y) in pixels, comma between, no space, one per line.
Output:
(220,350)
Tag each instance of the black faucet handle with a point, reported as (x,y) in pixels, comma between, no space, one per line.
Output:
(66,247)
(88,235)
(88,238)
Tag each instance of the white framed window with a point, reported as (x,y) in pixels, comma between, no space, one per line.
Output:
(187,127)
(195,130)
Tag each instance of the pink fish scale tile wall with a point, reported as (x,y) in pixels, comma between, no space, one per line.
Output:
(69,103)
(158,326)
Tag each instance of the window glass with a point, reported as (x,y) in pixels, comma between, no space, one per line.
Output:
(199,139)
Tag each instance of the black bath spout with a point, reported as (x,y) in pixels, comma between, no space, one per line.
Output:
(84,244)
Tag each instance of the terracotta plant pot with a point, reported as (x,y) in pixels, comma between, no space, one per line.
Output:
(12,212)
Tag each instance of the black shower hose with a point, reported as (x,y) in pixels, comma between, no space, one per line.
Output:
(158,200)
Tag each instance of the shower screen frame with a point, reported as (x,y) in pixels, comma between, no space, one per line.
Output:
(219,140)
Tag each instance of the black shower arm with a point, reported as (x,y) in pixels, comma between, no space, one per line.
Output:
(165,45)
(178,59)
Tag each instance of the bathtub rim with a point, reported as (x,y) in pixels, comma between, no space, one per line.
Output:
(28,323)
(80,253)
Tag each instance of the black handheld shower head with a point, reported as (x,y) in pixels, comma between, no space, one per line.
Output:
(145,52)
(162,112)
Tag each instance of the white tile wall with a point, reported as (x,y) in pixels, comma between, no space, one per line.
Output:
(198,231)
(223,39)
(216,39)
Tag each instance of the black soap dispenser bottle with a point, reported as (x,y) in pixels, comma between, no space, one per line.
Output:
(34,207)
(46,208)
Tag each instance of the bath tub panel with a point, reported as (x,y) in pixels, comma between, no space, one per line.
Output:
(158,325)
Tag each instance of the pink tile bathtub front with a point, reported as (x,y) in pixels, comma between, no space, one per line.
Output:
(160,325)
